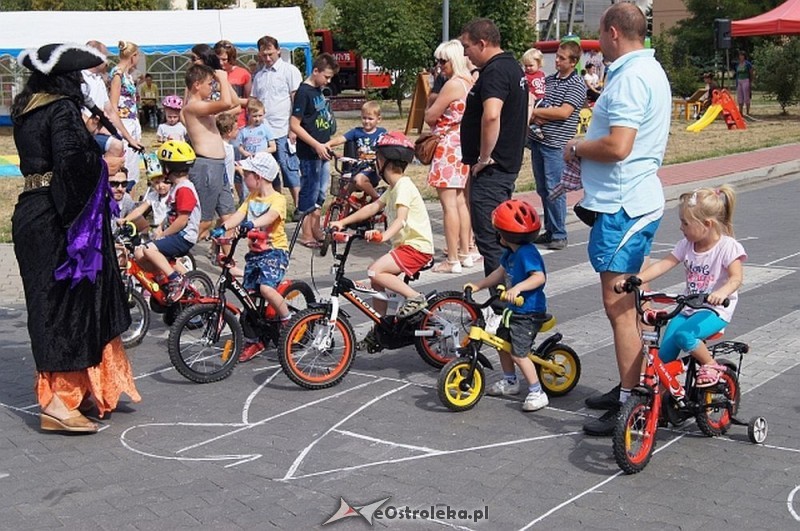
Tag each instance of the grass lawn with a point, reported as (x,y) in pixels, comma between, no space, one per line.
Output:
(770,129)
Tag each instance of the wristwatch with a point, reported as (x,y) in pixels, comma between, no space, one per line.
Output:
(574,150)
(486,162)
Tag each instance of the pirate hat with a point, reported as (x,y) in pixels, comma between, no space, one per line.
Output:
(52,59)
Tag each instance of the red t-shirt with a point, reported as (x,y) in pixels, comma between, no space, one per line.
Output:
(239,77)
(536,84)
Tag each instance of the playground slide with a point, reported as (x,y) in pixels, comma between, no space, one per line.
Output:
(709,116)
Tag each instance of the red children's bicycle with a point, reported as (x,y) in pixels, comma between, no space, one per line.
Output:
(649,406)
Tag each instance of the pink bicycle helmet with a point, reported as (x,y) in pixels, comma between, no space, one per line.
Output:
(396,146)
(172,101)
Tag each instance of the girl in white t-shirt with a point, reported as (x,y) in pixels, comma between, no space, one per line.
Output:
(712,260)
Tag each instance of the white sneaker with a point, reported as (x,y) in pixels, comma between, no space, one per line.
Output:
(503,388)
(535,401)
(492,320)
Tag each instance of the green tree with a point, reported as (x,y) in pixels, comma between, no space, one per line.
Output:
(210,4)
(778,72)
(512,19)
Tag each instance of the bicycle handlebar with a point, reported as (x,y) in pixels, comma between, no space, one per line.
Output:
(518,300)
(696,301)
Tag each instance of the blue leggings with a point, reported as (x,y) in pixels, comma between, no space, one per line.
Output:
(685,332)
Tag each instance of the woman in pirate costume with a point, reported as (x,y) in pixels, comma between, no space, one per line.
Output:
(62,239)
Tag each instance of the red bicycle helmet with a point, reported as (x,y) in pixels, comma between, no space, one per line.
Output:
(517,221)
(172,102)
(395,146)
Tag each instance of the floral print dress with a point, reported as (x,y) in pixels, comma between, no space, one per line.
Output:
(447,170)
(127,107)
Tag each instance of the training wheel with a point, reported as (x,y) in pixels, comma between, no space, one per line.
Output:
(757,430)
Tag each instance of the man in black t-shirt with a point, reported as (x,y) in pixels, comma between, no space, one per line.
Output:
(493,131)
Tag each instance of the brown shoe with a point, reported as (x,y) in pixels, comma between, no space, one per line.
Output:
(76,424)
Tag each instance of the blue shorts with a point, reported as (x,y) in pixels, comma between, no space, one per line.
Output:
(173,246)
(619,243)
(266,268)
(372,175)
(103,141)
(315,179)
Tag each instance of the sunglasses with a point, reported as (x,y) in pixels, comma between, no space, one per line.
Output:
(442,61)
(118,184)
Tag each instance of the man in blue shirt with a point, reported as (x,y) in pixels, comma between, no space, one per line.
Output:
(620,157)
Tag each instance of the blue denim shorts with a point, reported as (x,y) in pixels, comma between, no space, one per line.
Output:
(173,246)
(619,243)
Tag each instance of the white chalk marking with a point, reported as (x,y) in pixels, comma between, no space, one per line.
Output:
(384,441)
(790,503)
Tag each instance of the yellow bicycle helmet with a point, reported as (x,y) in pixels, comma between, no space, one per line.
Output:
(176,156)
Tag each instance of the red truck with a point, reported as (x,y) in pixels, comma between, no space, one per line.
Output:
(355,72)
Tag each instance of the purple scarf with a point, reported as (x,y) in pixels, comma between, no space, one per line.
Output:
(85,236)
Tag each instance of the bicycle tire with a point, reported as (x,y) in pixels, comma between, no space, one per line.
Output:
(564,356)
(716,420)
(200,354)
(200,282)
(140,319)
(438,350)
(450,386)
(299,296)
(313,366)
(188,262)
(631,428)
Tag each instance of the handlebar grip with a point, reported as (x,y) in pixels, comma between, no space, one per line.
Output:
(376,236)
(726,302)
(468,293)
(341,237)
(518,300)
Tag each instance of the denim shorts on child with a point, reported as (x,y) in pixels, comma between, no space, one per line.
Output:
(520,330)
(619,243)
(315,179)
(173,246)
(266,268)
(409,259)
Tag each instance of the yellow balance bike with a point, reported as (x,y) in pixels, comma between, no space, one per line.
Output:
(462,382)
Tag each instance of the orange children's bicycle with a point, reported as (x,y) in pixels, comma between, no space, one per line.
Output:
(649,406)
(198,285)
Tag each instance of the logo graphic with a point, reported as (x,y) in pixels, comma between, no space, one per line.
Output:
(346,511)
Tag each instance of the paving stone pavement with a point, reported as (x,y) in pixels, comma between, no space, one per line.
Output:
(257,452)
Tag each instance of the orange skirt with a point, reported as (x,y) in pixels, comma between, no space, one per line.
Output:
(104,382)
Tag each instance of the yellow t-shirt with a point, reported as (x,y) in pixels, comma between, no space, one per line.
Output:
(255,206)
(417,233)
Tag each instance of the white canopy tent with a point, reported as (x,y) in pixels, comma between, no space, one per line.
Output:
(155,32)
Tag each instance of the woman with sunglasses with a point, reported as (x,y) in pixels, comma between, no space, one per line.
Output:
(61,228)
(448,174)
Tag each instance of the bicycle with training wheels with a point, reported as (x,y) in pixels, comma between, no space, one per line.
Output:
(648,407)
(346,199)
(319,344)
(462,381)
(207,337)
(197,285)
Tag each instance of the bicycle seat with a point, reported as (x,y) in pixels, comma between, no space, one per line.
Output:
(548,322)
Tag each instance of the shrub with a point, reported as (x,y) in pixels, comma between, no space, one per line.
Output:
(777,71)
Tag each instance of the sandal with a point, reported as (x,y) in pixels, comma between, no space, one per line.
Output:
(447,267)
(708,375)
(412,306)
(313,244)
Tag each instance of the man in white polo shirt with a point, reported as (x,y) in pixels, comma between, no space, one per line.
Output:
(274,85)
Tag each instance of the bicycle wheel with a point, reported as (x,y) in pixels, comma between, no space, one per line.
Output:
(453,390)
(314,352)
(566,358)
(299,295)
(633,441)
(198,285)
(205,353)
(187,261)
(449,318)
(140,319)
(718,404)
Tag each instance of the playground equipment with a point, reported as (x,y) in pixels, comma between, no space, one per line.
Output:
(721,102)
